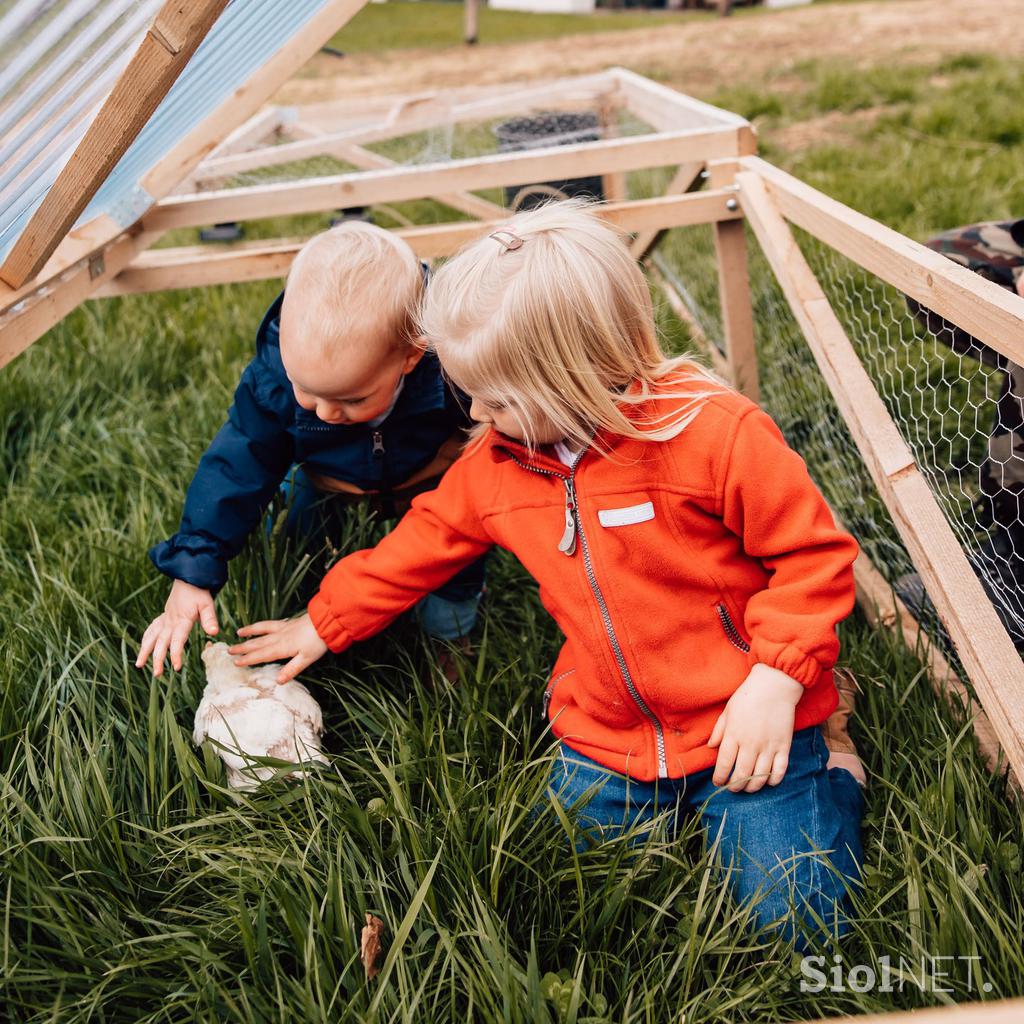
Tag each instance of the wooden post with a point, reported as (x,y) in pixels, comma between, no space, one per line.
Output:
(471,32)
(614,182)
(986,650)
(176,32)
(734,293)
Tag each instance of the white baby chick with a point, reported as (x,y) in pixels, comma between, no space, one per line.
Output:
(249,713)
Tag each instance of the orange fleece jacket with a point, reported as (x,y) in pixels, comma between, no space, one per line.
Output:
(687,561)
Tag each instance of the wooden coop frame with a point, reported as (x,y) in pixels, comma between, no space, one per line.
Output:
(718,181)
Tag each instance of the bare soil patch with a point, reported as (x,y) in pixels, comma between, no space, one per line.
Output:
(696,57)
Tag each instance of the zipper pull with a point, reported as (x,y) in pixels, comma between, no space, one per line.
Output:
(567,545)
(378,443)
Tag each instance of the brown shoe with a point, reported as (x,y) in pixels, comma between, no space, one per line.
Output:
(449,654)
(842,752)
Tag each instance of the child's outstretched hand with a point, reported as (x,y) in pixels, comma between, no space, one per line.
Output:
(278,639)
(170,630)
(755,731)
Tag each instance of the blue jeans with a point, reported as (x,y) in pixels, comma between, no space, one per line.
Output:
(447,614)
(767,838)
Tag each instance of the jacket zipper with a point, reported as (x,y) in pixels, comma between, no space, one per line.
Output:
(730,629)
(551,689)
(567,545)
(380,456)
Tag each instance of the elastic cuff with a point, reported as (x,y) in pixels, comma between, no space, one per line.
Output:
(206,571)
(787,658)
(330,630)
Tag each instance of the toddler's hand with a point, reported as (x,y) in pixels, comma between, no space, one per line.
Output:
(755,731)
(277,639)
(184,606)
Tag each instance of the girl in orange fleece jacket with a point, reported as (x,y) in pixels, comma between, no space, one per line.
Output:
(679,543)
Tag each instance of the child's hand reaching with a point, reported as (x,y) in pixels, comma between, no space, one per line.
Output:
(278,639)
(170,630)
(754,732)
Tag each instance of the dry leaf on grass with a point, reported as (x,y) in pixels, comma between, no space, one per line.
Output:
(369,944)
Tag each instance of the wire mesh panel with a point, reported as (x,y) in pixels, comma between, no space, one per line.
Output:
(533,125)
(960,408)
(797,396)
(958,405)
(686,260)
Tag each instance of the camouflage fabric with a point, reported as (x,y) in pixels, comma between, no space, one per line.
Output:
(995,251)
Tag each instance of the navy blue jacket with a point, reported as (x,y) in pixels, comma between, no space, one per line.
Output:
(267,431)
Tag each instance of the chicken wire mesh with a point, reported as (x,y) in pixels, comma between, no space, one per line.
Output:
(531,127)
(958,405)
(436,145)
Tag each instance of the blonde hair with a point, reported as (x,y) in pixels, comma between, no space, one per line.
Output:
(560,327)
(355,279)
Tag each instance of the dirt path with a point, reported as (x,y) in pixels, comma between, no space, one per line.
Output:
(696,56)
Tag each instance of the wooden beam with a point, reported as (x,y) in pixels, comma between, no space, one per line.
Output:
(200,266)
(399,183)
(668,110)
(247,99)
(875,597)
(985,649)
(883,609)
(196,266)
(176,32)
(37,312)
(269,122)
(982,308)
(1005,1011)
(219,169)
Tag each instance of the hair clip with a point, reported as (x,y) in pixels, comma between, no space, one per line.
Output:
(513,240)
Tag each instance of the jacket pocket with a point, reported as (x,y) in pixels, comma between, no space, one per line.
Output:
(732,633)
(551,688)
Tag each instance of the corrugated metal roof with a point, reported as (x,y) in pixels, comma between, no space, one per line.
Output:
(58,61)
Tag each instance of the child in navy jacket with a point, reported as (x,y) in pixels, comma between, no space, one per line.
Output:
(338,391)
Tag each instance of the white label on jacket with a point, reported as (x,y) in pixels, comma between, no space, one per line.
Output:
(626,516)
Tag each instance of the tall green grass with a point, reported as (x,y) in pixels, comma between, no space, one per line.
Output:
(134,888)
